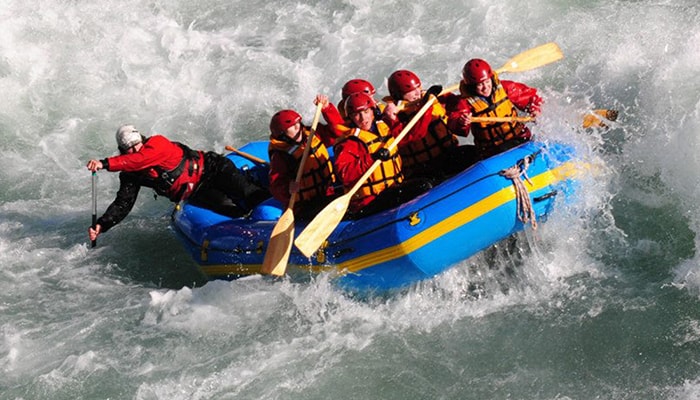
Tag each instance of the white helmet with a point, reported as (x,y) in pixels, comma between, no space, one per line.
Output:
(127,137)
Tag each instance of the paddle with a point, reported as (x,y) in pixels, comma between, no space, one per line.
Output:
(592,119)
(525,61)
(502,119)
(93,243)
(246,155)
(280,245)
(328,219)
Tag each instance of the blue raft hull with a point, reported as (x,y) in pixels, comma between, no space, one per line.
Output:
(398,247)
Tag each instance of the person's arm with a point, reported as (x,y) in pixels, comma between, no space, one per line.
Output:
(419,130)
(326,134)
(280,177)
(156,151)
(523,97)
(458,115)
(330,113)
(352,160)
(336,123)
(122,204)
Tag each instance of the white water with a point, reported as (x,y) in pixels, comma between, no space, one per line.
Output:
(604,304)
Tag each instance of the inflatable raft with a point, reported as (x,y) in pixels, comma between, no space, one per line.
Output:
(398,247)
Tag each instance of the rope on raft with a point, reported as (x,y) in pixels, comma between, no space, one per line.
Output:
(524,209)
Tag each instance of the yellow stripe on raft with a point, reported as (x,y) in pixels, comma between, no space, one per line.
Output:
(490,203)
(565,171)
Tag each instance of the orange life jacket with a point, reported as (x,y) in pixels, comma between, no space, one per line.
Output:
(388,172)
(318,173)
(489,136)
(436,141)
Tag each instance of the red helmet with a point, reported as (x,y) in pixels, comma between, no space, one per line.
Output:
(402,82)
(358,101)
(282,120)
(476,70)
(357,85)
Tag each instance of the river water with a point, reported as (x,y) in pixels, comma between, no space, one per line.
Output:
(600,302)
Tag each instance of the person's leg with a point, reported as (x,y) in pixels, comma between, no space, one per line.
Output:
(217,201)
(227,178)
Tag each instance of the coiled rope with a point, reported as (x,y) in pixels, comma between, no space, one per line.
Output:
(524,210)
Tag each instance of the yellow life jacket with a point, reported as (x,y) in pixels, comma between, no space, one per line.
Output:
(490,136)
(388,172)
(436,141)
(318,173)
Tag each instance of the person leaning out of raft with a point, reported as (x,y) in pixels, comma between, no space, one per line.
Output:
(288,138)
(483,94)
(430,148)
(358,146)
(173,170)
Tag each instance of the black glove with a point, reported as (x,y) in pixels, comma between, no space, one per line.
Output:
(381,154)
(435,90)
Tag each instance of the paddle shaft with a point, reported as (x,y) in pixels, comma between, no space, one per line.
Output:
(502,119)
(307,151)
(591,119)
(93,243)
(246,155)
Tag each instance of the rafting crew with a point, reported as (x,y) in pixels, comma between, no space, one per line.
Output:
(172,170)
(288,138)
(484,94)
(431,149)
(360,131)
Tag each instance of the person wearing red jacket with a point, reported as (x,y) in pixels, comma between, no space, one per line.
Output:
(358,146)
(288,139)
(483,94)
(172,170)
(430,149)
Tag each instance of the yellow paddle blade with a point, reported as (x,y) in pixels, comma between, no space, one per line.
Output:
(596,118)
(280,245)
(533,58)
(325,222)
(525,61)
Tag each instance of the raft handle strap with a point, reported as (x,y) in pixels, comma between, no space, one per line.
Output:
(524,210)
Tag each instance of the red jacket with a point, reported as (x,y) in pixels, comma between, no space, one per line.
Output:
(419,130)
(283,167)
(157,151)
(352,159)
(351,162)
(158,156)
